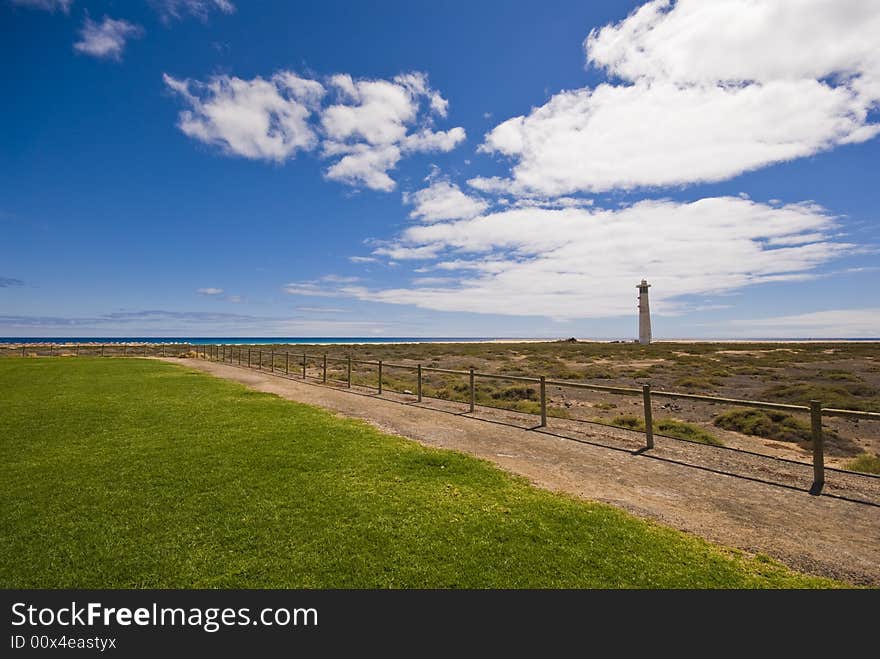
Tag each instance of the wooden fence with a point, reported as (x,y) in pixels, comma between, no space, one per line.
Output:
(251,357)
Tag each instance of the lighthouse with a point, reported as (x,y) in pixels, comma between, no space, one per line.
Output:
(644,313)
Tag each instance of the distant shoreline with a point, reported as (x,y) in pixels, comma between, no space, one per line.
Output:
(137,340)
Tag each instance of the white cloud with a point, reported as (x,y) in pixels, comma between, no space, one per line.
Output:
(177,9)
(331,285)
(408,253)
(443,200)
(210,291)
(694,42)
(584,262)
(106,39)
(838,323)
(321,310)
(308,288)
(45,5)
(362,259)
(546,202)
(369,127)
(429,140)
(365,131)
(375,111)
(340,279)
(257,119)
(707,91)
(366,165)
(432,281)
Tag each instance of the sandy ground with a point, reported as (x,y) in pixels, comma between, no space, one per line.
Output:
(754,503)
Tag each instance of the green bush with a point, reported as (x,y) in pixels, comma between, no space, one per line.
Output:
(765,423)
(515,392)
(628,421)
(698,384)
(688,431)
(849,396)
(669,427)
(867,463)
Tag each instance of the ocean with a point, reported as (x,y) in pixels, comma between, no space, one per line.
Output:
(247,340)
(337,340)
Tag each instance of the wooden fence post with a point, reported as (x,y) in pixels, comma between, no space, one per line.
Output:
(286,363)
(102,350)
(249,357)
(260,359)
(304,366)
(380,377)
(543,401)
(473,391)
(163,349)
(124,349)
(419,383)
(325,369)
(818,447)
(349,371)
(649,416)
(272,357)
(76,350)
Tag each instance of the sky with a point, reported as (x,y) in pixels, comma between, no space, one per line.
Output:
(457,169)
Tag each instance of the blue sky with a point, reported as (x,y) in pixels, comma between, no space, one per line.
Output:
(207,167)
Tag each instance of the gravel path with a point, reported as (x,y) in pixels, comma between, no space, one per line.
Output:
(754,503)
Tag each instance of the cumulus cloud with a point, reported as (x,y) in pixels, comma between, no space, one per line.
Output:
(703,92)
(106,39)
(210,291)
(258,119)
(365,164)
(45,5)
(178,9)
(443,200)
(582,262)
(368,128)
(365,131)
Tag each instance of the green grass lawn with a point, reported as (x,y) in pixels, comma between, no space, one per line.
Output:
(134,474)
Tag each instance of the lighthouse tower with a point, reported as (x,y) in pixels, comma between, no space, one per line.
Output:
(644,313)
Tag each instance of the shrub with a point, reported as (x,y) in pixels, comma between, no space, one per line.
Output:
(669,427)
(842,396)
(698,384)
(769,424)
(628,421)
(867,463)
(515,392)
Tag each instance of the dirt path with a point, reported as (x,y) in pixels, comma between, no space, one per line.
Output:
(754,503)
